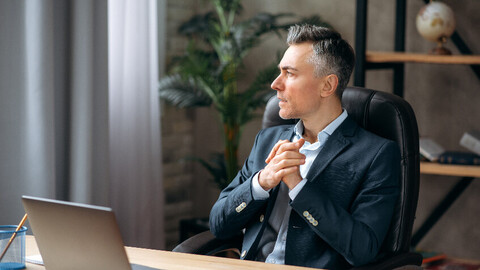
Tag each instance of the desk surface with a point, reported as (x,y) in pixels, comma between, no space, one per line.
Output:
(172,260)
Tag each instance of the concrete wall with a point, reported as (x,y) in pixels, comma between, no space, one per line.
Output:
(444,98)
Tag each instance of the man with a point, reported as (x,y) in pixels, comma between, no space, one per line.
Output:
(320,193)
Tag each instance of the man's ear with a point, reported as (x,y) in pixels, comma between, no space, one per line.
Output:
(330,85)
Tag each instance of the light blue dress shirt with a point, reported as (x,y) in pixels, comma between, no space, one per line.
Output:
(281,211)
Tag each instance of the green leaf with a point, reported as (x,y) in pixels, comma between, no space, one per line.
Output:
(182,93)
(229,5)
(216,167)
(258,93)
(196,62)
(199,26)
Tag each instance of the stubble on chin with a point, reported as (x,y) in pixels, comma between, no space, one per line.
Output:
(285,115)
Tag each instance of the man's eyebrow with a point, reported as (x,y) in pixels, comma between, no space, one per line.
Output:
(287,68)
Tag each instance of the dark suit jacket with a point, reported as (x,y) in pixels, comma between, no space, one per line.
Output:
(341,215)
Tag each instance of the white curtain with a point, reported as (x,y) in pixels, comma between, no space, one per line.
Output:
(134,120)
(78,109)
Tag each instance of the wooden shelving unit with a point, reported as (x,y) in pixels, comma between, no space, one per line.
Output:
(396,60)
(449,170)
(404,57)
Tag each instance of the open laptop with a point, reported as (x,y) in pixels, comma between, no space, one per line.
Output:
(76,236)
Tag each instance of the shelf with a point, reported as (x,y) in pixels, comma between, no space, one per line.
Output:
(450,170)
(402,57)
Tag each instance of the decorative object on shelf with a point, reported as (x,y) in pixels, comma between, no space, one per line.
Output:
(471,141)
(436,23)
(430,149)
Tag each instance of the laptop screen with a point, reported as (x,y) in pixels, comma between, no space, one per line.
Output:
(76,236)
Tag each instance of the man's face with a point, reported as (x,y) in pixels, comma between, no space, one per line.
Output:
(297,87)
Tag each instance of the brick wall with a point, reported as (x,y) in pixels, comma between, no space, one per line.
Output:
(177,134)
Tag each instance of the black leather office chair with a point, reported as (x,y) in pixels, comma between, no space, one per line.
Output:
(388,116)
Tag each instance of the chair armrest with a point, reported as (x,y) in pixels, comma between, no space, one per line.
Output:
(410,260)
(206,243)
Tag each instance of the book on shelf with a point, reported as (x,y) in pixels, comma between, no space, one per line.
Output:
(431,256)
(450,264)
(430,149)
(471,141)
(433,260)
(460,158)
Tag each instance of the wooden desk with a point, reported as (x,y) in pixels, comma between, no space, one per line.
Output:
(172,260)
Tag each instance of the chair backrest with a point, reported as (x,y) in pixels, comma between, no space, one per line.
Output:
(391,117)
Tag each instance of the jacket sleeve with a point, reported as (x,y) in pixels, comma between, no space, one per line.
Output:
(356,233)
(235,206)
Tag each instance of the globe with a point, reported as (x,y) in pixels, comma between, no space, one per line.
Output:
(436,23)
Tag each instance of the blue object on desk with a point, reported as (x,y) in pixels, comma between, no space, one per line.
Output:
(15,256)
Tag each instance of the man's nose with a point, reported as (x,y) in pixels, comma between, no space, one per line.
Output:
(276,84)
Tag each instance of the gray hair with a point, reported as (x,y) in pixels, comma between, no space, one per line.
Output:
(332,54)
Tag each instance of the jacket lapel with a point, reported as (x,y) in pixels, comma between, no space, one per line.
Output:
(338,141)
(287,134)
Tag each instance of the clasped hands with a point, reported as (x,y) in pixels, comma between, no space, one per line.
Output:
(283,164)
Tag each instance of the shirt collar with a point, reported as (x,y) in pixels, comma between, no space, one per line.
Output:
(328,129)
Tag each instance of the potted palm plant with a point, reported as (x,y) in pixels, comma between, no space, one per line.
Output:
(208,72)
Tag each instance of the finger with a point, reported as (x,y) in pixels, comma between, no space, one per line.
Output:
(273,173)
(300,143)
(290,146)
(286,163)
(283,147)
(291,154)
(267,178)
(287,171)
(274,150)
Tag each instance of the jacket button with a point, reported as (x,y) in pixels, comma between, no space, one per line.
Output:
(241,207)
(243,253)
(261,218)
(306,214)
